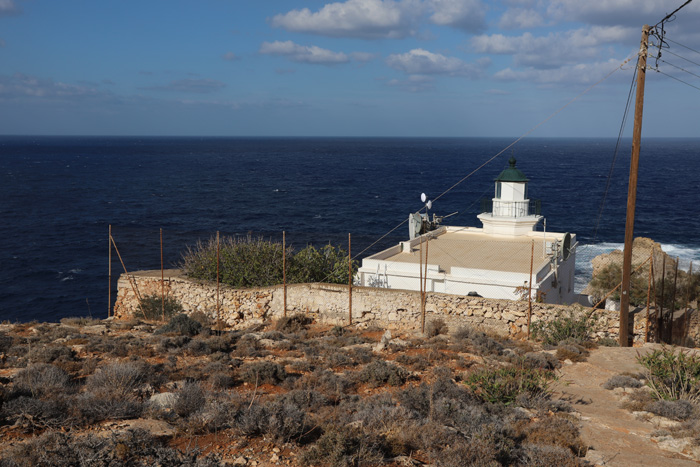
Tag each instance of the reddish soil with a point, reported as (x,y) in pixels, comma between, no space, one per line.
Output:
(617,437)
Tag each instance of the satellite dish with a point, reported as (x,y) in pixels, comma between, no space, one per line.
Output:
(423,197)
(567,246)
(429,204)
(415,224)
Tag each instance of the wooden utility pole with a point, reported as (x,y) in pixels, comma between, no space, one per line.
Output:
(632,189)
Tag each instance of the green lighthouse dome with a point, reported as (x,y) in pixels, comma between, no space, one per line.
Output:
(511,174)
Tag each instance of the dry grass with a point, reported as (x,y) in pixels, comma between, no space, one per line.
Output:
(319,394)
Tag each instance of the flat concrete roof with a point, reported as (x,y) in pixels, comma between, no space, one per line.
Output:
(469,247)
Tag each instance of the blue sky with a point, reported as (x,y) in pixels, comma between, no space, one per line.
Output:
(345,68)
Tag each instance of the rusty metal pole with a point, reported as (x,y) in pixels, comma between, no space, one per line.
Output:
(632,190)
(109,293)
(529,291)
(660,316)
(284,272)
(651,272)
(420,277)
(162,282)
(673,302)
(685,308)
(349,279)
(425,284)
(134,288)
(218,261)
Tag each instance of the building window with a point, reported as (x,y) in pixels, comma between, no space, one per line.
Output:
(498,190)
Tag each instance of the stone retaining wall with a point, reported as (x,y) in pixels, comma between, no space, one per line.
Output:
(328,303)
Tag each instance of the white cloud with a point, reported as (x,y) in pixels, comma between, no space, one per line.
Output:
(195,86)
(555,49)
(520,18)
(628,12)
(463,14)
(580,73)
(414,83)
(8,7)
(362,56)
(367,19)
(422,62)
(21,85)
(303,54)
(229,56)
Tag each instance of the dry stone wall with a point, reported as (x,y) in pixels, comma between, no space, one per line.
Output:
(328,303)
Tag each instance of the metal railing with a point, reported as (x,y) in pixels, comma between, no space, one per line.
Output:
(512,208)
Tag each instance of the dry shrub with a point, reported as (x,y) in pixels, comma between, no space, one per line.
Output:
(622,381)
(413,362)
(50,353)
(572,352)
(42,380)
(117,380)
(381,372)
(325,381)
(554,430)
(477,341)
(293,324)
(675,410)
(344,446)
(537,455)
(541,360)
(638,400)
(181,324)
(263,373)
(436,327)
(32,414)
(190,398)
(132,447)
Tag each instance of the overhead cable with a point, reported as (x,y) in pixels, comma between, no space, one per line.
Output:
(633,85)
(678,79)
(678,43)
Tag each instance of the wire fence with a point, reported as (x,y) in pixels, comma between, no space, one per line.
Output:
(538,267)
(663,292)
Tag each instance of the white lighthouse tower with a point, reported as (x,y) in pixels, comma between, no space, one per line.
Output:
(511,213)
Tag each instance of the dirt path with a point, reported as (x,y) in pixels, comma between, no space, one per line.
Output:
(616,436)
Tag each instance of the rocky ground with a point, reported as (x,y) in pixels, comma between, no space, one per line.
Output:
(87,392)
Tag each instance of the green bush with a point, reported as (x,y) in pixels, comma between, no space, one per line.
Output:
(329,264)
(154,307)
(574,324)
(610,277)
(504,385)
(672,376)
(255,262)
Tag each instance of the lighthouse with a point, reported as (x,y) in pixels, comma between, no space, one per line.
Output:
(510,212)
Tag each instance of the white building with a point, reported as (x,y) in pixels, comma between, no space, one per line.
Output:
(494,261)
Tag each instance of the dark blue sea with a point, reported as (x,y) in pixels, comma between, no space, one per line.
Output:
(59,195)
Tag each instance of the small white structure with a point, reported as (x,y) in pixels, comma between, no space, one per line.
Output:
(496,261)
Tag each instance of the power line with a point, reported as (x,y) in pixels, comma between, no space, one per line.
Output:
(683,58)
(672,14)
(682,69)
(502,151)
(677,79)
(617,147)
(678,43)
(530,131)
